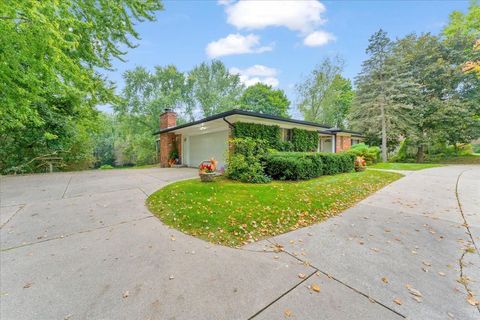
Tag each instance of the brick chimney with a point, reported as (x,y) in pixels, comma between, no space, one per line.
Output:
(168,119)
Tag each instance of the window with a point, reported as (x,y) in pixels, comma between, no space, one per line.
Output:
(286,134)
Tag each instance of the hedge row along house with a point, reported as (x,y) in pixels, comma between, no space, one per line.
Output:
(208,138)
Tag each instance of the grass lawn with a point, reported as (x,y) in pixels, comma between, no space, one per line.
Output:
(469,159)
(234,213)
(404,166)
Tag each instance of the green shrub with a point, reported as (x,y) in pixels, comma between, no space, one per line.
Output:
(246,161)
(293,166)
(334,163)
(302,166)
(476,148)
(370,154)
(269,134)
(304,140)
(106,167)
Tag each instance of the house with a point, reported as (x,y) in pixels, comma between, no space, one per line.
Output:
(208,138)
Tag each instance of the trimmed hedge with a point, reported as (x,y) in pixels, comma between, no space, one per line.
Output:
(269,134)
(303,166)
(293,166)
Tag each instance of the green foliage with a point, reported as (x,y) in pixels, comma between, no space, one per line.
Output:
(325,96)
(334,163)
(52,82)
(106,167)
(293,166)
(301,140)
(304,140)
(370,154)
(269,134)
(144,98)
(105,141)
(305,165)
(214,88)
(263,98)
(246,162)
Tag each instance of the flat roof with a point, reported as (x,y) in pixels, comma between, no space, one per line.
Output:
(256,115)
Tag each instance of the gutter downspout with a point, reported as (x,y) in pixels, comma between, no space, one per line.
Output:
(334,143)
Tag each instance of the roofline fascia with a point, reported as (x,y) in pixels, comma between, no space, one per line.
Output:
(243,113)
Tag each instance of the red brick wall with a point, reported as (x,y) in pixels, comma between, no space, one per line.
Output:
(166,145)
(342,143)
(168,119)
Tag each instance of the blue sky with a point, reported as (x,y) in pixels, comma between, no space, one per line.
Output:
(273,42)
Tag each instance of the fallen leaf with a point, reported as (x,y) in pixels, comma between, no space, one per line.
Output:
(417,299)
(315,287)
(428,264)
(301,275)
(375,249)
(27,285)
(171,277)
(471,299)
(398,301)
(288,312)
(385,279)
(413,291)
(125,294)
(441,274)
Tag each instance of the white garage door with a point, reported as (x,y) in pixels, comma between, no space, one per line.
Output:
(207,146)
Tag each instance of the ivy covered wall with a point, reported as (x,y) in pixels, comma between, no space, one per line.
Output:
(300,140)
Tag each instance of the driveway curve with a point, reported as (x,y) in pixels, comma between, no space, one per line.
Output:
(84,246)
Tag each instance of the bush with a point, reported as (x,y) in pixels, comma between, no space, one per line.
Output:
(246,161)
(106,167)
(370,154)
(293,166)
(334,163)
(302,166)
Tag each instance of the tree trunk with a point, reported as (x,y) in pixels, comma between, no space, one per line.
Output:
(420,153)
(384,133)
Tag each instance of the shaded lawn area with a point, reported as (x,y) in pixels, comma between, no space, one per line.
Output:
(404,166)
(468,159)
(234,213)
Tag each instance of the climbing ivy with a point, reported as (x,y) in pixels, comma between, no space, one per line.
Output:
(270,134)
(304,140)
(300,140)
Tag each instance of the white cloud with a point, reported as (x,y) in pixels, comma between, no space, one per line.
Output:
(236,44)
(303,16)
(257,74)
(318,38)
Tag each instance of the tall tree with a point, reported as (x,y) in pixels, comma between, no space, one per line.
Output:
(338,102)
(264,99)
(144,98)
(445,100)
(378,106)
(317,91)
(467,26)
(215,89)
(51,83)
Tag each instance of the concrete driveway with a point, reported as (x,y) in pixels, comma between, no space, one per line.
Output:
(83,246)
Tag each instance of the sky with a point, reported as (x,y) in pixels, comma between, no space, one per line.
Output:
(275,42)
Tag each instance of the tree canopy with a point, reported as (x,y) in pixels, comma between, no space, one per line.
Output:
(264,99)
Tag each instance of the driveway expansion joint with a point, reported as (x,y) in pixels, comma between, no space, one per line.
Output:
(465,222)
(282,295)
(343,283)
(63,236)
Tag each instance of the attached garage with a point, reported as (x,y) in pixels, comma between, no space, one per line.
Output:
(204,147)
